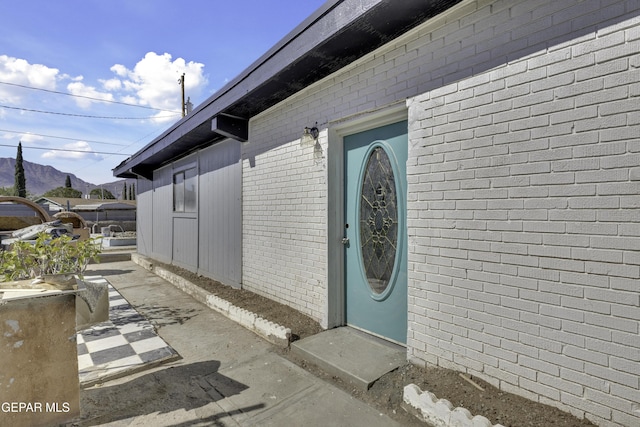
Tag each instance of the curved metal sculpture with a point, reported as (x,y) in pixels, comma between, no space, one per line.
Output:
(44,216)
(71,217)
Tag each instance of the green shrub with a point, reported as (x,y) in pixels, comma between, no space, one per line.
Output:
(48,255)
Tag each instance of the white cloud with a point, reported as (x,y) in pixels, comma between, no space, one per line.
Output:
(111,84)
(129,99)
(153,82)
(20,71)
(120,70)
(29,138)
(81,90)
(79,150)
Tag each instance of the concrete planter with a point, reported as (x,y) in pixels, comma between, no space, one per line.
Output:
(39,372)
(39,383)
(92,303)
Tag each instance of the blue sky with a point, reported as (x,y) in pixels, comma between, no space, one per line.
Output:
(128,53)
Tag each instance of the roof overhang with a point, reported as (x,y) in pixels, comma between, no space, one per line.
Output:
(338,33)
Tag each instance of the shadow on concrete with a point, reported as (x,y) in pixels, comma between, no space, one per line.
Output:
(162,316)
(174,389)
(117,318)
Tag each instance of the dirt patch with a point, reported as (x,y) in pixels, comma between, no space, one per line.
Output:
(386,393)
(499,407)
(301,325)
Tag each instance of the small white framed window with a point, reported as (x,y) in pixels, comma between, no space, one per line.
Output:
(185,190)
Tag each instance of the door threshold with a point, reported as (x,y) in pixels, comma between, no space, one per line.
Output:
(373,335)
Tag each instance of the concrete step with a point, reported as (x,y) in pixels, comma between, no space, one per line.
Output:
(114,256)
(352,355)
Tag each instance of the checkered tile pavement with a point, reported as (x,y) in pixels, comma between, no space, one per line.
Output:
(125,344)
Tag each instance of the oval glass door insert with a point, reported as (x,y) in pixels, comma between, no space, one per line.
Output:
(378,220)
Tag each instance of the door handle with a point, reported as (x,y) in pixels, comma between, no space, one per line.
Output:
(345,241)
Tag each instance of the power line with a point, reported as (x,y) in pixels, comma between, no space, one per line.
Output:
(63,137)
(85,115)
(87,164)
(86,97)
(66,150)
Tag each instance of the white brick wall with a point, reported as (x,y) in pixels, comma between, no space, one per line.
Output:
(284,223)
(524,196)
(524,204)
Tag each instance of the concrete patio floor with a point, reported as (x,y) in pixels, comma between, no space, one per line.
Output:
(227,375)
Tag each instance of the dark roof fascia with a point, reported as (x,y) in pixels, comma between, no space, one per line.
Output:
(229,92)
(336,34)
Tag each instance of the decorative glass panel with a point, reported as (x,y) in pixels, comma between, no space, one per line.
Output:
(378,220)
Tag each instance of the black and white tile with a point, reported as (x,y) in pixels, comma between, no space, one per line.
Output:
(126,343)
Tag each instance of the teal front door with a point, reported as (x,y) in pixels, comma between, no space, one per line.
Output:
(375,230)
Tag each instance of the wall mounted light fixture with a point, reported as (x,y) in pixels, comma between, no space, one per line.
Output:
(310,135)
(311,132)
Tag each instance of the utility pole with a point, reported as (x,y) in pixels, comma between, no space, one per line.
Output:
(184,107)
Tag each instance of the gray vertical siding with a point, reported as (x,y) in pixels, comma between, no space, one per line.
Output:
(220,213)
(185,242)
(144,224)
(162,215)
(209,240)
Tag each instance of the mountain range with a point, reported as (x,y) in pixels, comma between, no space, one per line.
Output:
(42,178)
